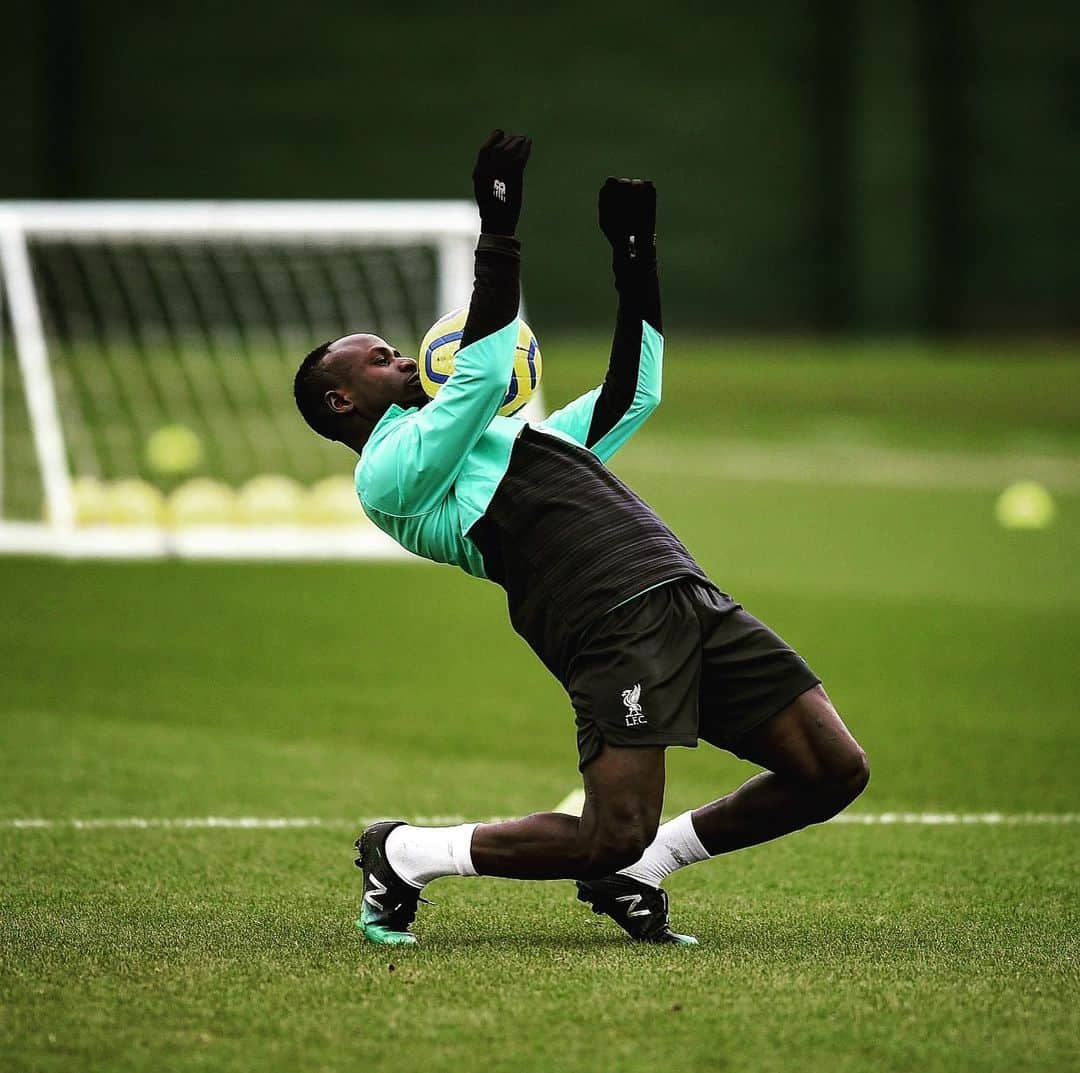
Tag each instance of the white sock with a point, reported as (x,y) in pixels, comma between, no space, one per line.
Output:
(421,854)
(676,845)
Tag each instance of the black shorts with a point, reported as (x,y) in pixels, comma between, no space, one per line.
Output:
(679,663)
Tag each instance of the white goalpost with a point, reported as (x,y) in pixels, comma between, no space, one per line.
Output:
(146,358)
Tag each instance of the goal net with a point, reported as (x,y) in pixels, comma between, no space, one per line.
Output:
(147,352)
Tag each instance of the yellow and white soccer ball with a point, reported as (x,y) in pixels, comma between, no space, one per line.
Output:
(436,360)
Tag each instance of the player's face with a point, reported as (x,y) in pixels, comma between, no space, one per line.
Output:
(373,374)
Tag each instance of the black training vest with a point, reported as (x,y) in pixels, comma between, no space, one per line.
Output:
(569,541)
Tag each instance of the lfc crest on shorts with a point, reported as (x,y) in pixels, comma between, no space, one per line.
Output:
(631,698)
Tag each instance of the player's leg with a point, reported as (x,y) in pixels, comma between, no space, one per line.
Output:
(633,683)
(624,794)
(759,700)
(613,807)
(624,790)
(814,769)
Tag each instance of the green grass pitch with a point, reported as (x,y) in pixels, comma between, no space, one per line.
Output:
(846,500)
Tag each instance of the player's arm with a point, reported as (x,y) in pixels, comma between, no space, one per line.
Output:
(421,461)
(605,418)
(498,180)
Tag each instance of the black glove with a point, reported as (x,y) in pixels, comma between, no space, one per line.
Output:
(497,181)
(628,218)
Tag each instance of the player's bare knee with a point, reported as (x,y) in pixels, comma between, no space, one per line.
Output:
(856,779)
(842,782)
(849,776)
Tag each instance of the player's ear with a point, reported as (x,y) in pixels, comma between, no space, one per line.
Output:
(339,402)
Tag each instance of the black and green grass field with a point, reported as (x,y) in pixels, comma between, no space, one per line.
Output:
(846,496)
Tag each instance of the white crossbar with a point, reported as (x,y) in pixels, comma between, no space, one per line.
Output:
(356,220)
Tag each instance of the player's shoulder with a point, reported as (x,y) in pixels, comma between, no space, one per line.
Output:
(551,430)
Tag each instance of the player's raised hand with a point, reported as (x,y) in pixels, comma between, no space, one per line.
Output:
(497,180)
(627,209)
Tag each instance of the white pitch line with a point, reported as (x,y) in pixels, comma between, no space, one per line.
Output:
(154,822)
(265,823)
(270,823)
(959,819)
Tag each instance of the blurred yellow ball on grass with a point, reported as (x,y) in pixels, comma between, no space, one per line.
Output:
(132,501)
(91,501)
(202,501)
(333,501)
(441,344)
(173,449)
(1025,505)
(271,499)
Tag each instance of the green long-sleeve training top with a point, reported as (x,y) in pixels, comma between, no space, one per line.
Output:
(530,507)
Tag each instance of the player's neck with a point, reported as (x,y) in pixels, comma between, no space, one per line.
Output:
(359,433)
(362,426)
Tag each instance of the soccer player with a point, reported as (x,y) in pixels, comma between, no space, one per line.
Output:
(651,652)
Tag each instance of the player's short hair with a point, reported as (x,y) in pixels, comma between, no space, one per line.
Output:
(310,385)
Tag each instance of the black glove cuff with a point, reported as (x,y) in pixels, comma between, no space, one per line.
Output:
(498,219)
(631,271)
(504,244)
(638,286)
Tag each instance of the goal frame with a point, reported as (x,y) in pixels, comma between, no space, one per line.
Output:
(450,227)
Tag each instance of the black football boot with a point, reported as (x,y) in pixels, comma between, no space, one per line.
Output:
(389,904)
(640,910)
